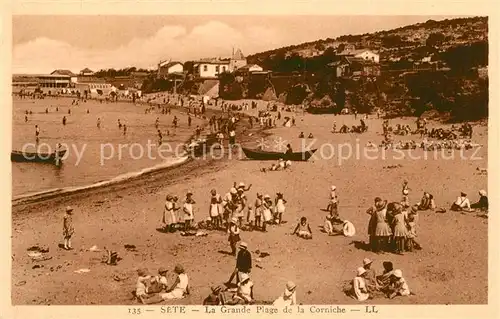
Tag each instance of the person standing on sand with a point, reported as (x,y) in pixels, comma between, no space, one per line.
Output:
(64,120)
(99,122)
(37,130)
(124,129)
(169,214)
(258,210)
(188,209)
(280,208)
(243,264)
(215,211)
(189,120)
(229,205)
(119,124)
(68,229)
(266,212)
(382,229)
(234,235)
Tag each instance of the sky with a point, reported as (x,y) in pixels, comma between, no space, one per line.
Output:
(42,44)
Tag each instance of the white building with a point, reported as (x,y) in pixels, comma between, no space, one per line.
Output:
(364,54)
(211,68)
(165,68)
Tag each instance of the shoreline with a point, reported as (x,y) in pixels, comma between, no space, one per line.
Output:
(121,181)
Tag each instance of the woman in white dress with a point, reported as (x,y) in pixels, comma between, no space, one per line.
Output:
(288,297)
(180,288)
(188,209)
(169,215)
(266,212)
(280,208)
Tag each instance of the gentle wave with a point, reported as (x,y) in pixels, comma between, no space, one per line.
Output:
(118,179)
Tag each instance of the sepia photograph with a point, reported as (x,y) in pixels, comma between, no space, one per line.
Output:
(265,160)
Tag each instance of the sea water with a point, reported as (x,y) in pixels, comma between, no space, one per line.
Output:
(93,155)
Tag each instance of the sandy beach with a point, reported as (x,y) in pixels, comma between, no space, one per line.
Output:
(451,268)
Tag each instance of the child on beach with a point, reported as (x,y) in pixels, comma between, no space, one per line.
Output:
(250,214)
(258,210)
(266,212)
(68,229)
(279,208)
(188,209)
(142,284)
(303,230)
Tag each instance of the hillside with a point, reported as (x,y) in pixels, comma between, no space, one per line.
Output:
(403,42)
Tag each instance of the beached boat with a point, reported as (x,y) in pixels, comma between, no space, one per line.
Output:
(271,156)
(19,156)
(322,110)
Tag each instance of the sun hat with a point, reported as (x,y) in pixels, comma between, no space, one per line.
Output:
(234,220)
(381,204)
(169,197)
(267,196)
(333,188)
(290,286)
(482,192)
(367,261)
(414,209)
(463,194)
(179,269)
(142,272)
(213,191)
(233,191)
(398,273)
(162,270)
(360,271)
(241,184)
(243,245)
(69,209)
(244,276)
(189,192)
(405,191)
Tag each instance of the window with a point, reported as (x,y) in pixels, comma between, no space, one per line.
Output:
(224,68)
(217,69)
(205,68)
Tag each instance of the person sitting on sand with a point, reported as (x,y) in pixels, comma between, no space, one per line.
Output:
(384,280)
(310,135)
(303,230)
(482,204)
(288,297)
(178,290)
(359,289)
(461,204)
(289,151)
(214,298)
(142,284)
(427,202)
(398,287)
(244,292)
(301,135)
(370,277)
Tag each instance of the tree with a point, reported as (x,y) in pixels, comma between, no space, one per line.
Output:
(435,39)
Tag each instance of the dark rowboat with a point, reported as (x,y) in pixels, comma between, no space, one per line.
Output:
(322,110)
(18,156)
(271,156)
